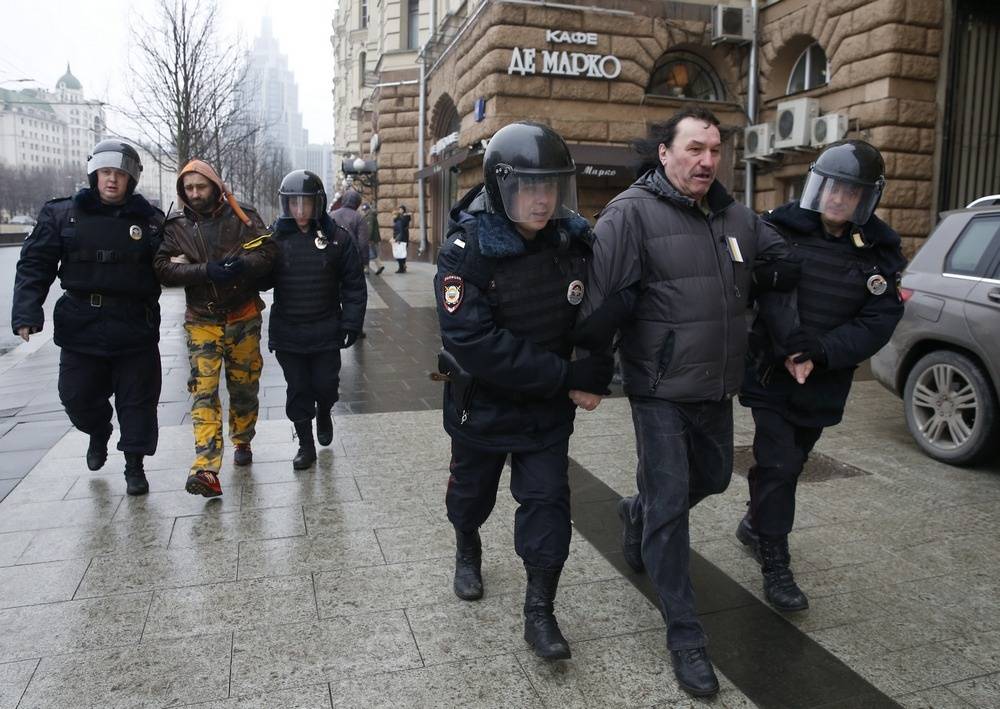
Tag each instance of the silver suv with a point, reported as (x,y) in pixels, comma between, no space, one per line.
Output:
(944,358)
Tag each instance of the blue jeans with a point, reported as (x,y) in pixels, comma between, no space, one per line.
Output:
(685,454)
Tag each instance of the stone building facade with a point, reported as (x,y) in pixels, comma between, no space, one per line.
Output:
(888,71)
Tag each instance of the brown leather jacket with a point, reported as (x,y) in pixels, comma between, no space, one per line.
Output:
(191,240)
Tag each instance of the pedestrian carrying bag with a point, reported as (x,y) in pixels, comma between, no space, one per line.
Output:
(398,249)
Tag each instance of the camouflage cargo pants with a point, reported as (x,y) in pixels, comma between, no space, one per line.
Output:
(237,345)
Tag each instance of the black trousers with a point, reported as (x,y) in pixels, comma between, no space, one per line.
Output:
(780,451)
(87,382)
(685,454)
(312,380)
(539,481)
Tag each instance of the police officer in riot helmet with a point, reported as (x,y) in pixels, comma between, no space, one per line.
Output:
(509,282)
(319,307)
(101,243)
(797,382)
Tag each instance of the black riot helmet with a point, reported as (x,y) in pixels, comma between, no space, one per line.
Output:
(296,187)
(117,154)
(845,183)
(525,160)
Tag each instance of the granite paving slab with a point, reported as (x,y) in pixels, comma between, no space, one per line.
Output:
(487,683)
(30,584)
(315,696)
(71,626)
(158,568)
(280,657)
(305,555)
(197,531)
(14,678)
(84,542)
(156,674)
(233,605)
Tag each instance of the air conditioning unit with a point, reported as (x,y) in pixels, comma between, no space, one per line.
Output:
(828,128)
(793,123)
(731,24)
(758,141)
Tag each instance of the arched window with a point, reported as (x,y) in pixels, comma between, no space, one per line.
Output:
(811,70)
(685,75)
(362,68)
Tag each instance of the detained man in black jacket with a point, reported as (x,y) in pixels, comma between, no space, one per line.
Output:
(319,307)
(674,260)
(101,244)
(509,282)
(848,306)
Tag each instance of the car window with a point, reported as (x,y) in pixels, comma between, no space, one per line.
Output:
(975,247)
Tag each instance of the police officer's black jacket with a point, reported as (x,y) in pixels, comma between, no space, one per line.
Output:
(103,255)
(841,301)
(506,306)
(317,291)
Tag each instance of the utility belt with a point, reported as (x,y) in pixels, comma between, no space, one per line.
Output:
(100,300)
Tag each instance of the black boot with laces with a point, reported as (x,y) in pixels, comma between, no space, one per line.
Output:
(306,455)
(780,588)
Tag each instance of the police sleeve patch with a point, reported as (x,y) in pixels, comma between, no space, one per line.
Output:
(453,288)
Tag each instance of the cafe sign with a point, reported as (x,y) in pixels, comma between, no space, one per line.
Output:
(557,62)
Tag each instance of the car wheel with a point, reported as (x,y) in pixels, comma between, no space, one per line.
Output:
(951,409)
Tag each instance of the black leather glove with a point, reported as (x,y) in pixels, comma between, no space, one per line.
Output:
(591,374)
(224,271)
(807,345)
(346,338)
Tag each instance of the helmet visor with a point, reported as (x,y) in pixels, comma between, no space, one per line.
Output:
(119,161)
(840,201)
(537,197)
(300,206)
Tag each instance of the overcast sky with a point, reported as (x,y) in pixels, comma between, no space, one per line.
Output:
(40,36)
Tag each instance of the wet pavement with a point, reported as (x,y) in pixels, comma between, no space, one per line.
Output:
(332,587)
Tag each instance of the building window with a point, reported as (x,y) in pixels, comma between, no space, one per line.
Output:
(811,70)
(412,23)
(362,64)
(364,13)
(685,75)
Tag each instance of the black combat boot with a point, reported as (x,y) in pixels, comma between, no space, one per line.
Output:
(307,449)
(631,536)
(468,565)
(748,537)
(324,428)
(97,451)
(780,588)
(135,476)
(541,630)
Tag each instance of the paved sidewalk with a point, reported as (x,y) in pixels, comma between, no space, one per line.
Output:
(332,587)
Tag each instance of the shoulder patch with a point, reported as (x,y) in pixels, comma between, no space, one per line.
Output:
(452,292)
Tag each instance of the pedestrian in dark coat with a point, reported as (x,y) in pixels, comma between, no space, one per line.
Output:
(101,244)
(374,239)
(319,307)
(400,236)
(847,306)
(353,222)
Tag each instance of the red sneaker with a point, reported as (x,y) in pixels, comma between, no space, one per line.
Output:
(204,483)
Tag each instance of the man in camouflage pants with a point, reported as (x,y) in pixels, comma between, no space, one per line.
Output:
(215,248)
